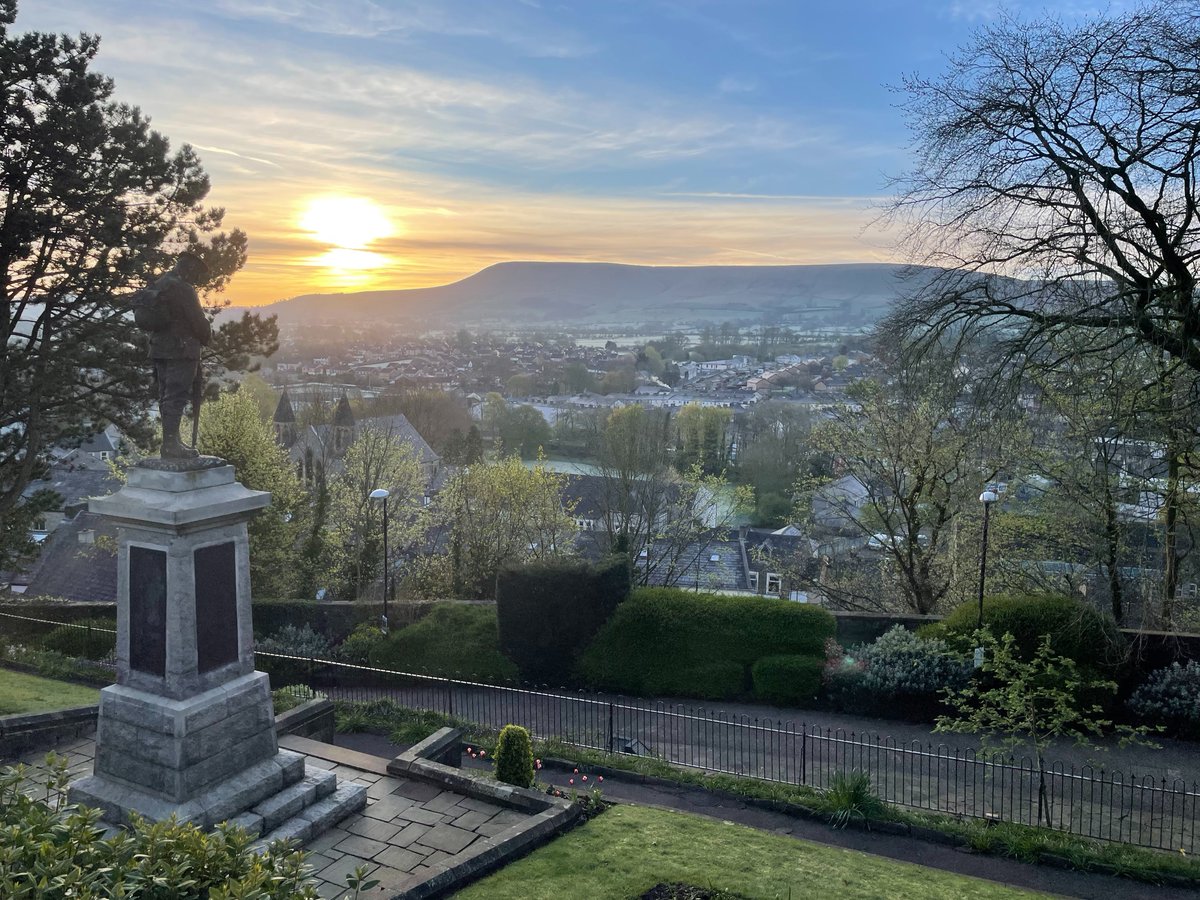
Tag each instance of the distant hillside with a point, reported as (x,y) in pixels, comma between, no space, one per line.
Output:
(536,293)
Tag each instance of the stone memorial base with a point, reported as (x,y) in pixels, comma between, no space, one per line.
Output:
(189,728)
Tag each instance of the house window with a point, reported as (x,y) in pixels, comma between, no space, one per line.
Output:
(774,583)
(753,581)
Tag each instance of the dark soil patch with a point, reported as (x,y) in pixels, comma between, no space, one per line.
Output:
(677,890)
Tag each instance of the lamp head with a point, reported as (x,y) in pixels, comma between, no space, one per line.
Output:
(380,494)
(988,497)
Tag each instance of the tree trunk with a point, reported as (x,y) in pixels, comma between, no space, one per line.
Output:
(1171,536)
(1112,548)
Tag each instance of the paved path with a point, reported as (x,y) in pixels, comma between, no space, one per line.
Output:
(703,735)
(1042,878)
(407,827)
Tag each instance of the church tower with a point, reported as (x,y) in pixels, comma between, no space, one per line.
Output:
(285,421)
(343,426)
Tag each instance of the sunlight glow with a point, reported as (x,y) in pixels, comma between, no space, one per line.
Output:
(349,223)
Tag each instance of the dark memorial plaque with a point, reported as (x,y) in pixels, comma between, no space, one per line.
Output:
(148,610)
(216,606)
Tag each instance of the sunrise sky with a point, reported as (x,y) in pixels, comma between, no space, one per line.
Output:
(369,144)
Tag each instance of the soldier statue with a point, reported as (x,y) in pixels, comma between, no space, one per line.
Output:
(170,310)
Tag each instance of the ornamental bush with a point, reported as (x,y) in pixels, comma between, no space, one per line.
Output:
(86,639)
(788,680)
(1171,696)
(658,635)
(907,674)
(54,850)
(297,640)
(1077,631)
(514,756)
(358,646)
(456,640)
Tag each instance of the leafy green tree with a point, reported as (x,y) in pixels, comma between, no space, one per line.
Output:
(353,539)
(93,204)
(521,385)
(436,415)
(703,438)
(577,379)
(618,381)
(524,431)
(266,398)
(1016,703)
(491,515)
(232,428)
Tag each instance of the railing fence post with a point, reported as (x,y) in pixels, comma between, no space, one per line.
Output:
(804,754)
(612,738)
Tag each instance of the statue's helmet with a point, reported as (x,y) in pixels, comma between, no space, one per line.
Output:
(192,264)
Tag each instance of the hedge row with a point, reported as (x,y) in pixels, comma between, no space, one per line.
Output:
(548,613)
(456,640)
(664,641)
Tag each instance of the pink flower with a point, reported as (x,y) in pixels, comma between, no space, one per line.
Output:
(599,777)
(468,749)
(585,778)
(570,781)
(576,771)
(538,761)
(483,753)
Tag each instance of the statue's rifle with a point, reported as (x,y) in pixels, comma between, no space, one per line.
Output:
(197,399)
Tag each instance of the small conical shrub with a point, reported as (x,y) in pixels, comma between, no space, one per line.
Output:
(514,756)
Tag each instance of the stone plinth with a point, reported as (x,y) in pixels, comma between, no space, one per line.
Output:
(188,729)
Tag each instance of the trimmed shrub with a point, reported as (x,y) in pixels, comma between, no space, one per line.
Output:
(514,756)
(548,612)
(721,680)
(86,639)
(659,633)
(787,680)
(456,640)
(1077,631)
(357,648)
(1171,696)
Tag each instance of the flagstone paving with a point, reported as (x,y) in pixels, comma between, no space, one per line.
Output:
(407,828)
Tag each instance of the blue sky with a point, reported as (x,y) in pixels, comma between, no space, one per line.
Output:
(649,131)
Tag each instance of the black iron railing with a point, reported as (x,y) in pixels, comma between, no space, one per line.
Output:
(1082,800)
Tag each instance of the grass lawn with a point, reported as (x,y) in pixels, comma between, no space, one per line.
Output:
(21,693)
(628,849)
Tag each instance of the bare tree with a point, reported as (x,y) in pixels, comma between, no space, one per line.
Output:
(1056,178)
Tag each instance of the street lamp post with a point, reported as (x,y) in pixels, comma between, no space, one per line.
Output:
(383,494)
(987,498)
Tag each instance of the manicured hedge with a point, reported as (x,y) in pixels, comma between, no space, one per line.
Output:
(456,640)
(87,638)
(660,633)
(788,680)
(549,612)
(1077,630)
(720,680)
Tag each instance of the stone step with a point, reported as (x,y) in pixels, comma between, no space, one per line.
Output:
(282,806)
(311,821)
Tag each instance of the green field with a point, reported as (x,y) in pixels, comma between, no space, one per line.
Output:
(21,693)
(628,849)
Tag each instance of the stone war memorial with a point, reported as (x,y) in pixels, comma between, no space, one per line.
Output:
(188,729)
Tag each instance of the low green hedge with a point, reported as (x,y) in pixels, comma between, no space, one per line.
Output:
(454,641)
(788,680)
(660,636)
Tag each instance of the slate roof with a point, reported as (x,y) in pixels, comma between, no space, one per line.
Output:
(75,569)
(100,442)
(725,573)
(403,430)
(75,483)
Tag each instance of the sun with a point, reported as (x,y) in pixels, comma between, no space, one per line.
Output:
(350,223)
